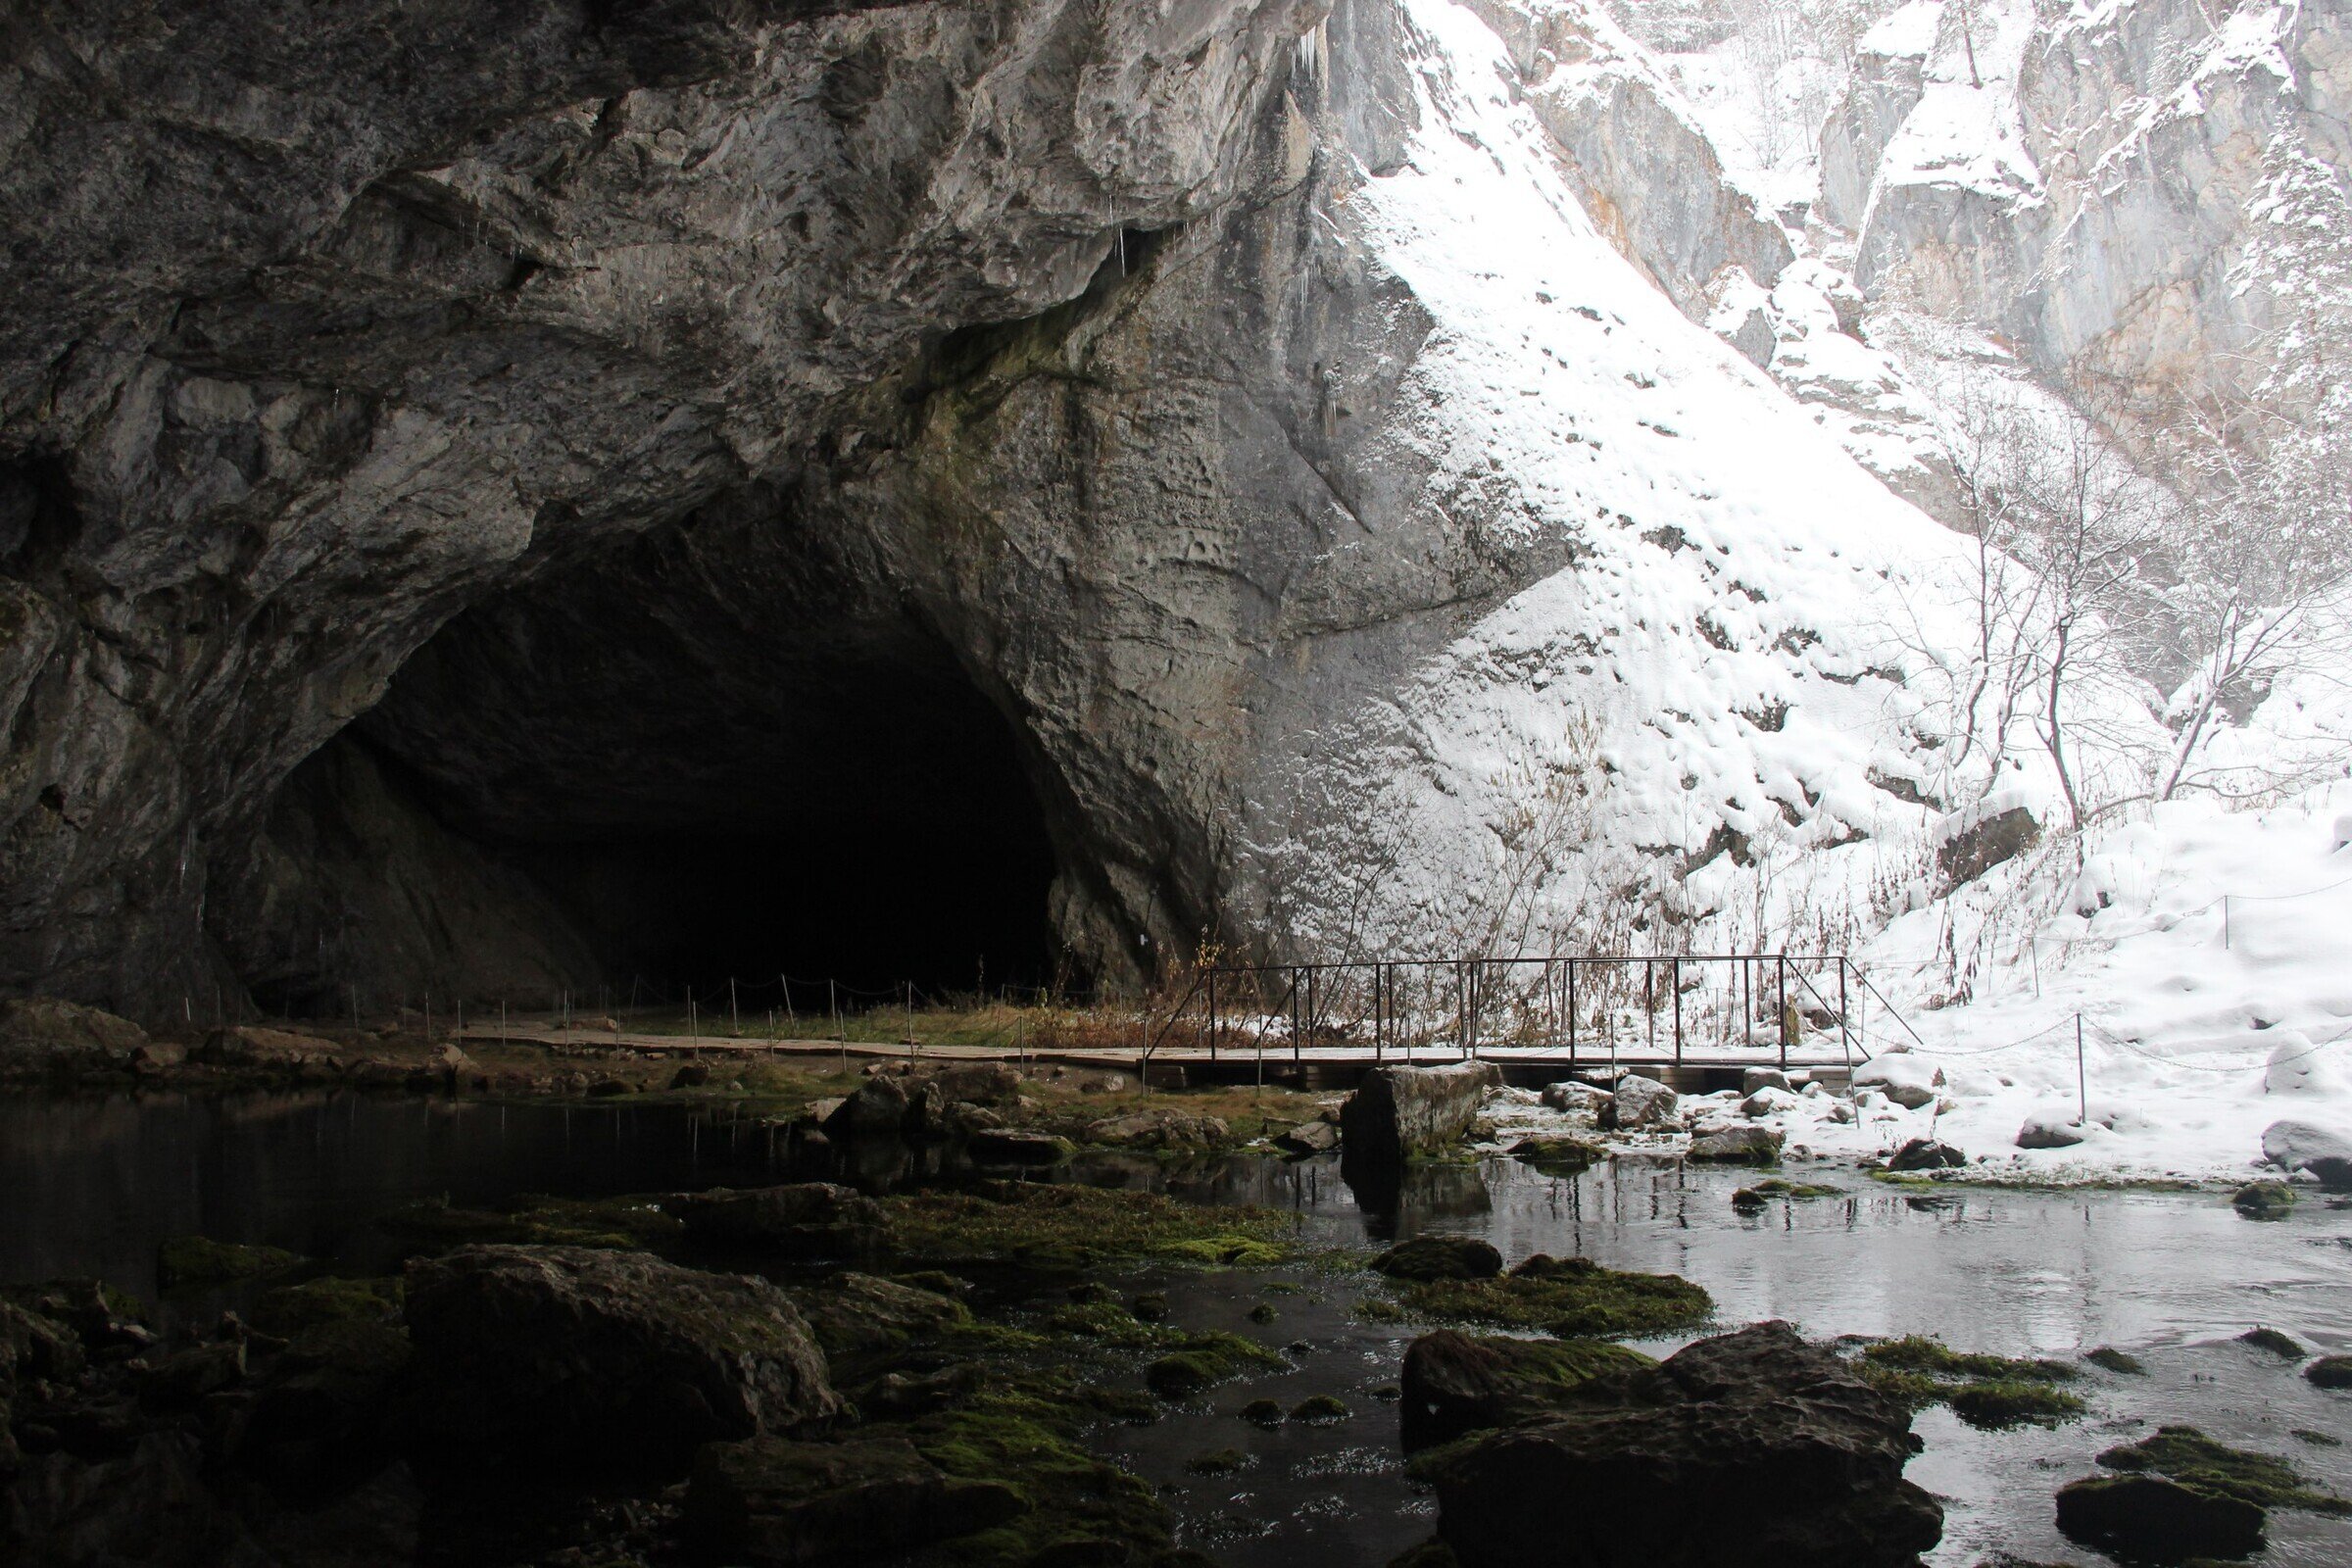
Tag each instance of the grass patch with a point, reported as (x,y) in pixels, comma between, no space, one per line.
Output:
(616,1224)
(1772,1187)
(2284,1346)
(2110,1359)
(2193,1460)
(1573,1299)
(1991,1392)
(1056,1226)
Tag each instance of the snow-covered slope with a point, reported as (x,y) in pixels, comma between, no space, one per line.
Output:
(1713,675)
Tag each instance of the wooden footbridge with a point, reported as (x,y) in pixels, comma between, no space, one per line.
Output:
(1695,1019)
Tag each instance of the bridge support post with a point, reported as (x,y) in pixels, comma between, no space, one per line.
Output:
(1571,1016)
(1783,964)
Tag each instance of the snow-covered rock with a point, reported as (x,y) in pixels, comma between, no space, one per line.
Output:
(1639,1103)
(2296,1066)
(1908,1080)
(2048,1132)
(2294,1146)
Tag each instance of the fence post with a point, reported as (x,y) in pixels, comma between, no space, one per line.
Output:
(1649,1001)
(1379,1039)
(1310,1015)
(1675,978)
(2226,922)
(2081,1077)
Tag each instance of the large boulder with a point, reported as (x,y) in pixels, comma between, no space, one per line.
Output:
(541,1356)
(2156,1519)
(1569,1096)
(854,1314)
(878,1110)
(1983,839)
(1927,1154)
(2049,1132)
(1909,1081)
(1639,1103)
(1455,1383)
(1159,1128)
(40,1035)
(2298,1146)
(1751,1451)
(770,1502)
(797,1220)
(1396,1113)
(1737,1146)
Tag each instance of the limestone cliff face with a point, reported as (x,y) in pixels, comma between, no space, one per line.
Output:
(2146,196)
(326,322)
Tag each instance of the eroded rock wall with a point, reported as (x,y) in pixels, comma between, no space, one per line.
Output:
(324,321)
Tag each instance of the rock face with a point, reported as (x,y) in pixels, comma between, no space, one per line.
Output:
(542,1355)
(1396,1113)
(1744,1451)
(321,326)
(429,490)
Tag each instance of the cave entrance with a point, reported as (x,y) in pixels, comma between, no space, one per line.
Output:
(719,761)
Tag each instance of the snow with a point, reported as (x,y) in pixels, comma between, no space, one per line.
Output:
(1694,720)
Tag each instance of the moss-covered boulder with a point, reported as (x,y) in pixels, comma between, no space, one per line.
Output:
(290,1310)
(186,1260)
(543,1356)
(2329,1372)
(1992,1393)
(2149,1518)
(1753,1449)
(854,1315)
(776,1503)
(1441,1257)
(1455,1383)
(2264,1199)
(1398,1112)
(1572,1297)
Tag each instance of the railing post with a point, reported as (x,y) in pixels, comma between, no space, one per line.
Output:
(1783,966)
(1674,978)
(1213,1015)
(1650,1001)
(1310,1009)
(1379,1040)
(1571,1016)
(1296,1025)
(1845,1042)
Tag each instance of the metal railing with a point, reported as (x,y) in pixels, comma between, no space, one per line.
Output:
(1593,1006)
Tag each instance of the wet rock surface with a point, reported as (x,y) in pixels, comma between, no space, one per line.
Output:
(1752,1448)
(797,1221)
(1397,1112)
(535,1356)
(771,1501)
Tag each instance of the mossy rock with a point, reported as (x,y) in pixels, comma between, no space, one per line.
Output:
(1066,1226)
(1023,1430)
(2329,1372)
(2264,1199)
(1221,1462)
(627,1224)
(186,1260)
(2108,1358)
(1440,1258)
(1264,1312)
(1430,1554)
(1262,1412)
(2188,1455)
(1321,1409)
(2284,1346)
(2149,1518)
(1773,1187)
(1573,1299)
(1992,1393)
(291,1309)
(1204,1361)
(1556,1154)
(1150,1306)
(2318,1440)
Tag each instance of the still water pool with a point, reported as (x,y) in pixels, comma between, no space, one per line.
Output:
(90,1185)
